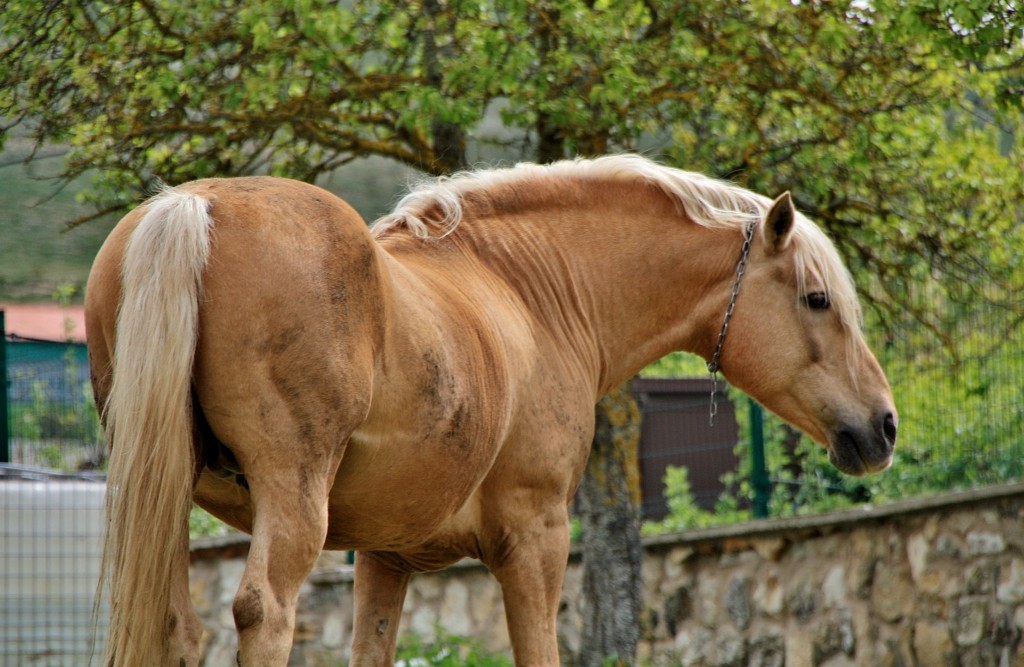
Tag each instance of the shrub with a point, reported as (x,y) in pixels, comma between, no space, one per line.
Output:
(446,651)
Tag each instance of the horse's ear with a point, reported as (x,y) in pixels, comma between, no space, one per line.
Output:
(779,223)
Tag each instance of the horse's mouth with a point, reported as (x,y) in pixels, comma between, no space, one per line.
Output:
(858,452)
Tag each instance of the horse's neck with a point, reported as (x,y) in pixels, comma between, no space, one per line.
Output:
(619,276)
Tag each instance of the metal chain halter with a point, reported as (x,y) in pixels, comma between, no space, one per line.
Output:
(713,365)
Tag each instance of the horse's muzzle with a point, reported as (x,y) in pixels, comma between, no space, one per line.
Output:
(858,451)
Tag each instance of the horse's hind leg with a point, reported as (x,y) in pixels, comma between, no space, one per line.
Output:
(289,526)
(289,465)
(185,630)
(288,436)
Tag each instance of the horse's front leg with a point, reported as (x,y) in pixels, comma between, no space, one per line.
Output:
(379,590)
(529,557)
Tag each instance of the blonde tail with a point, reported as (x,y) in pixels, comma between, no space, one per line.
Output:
(149,423)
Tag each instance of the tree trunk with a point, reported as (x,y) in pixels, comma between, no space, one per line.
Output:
(609,504)
(448,139)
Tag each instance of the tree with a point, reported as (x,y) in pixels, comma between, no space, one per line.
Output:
(895,122)
(609,507)
(153,90)
(882,135)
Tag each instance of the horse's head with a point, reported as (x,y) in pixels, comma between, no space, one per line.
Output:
(795,344)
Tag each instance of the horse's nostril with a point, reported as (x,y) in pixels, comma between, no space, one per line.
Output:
(889,429)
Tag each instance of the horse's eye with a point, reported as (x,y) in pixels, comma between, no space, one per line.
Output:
(817,301)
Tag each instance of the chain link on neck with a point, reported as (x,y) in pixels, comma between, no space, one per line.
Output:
(714,365)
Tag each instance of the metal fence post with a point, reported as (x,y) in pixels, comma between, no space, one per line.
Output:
(758,470)
(5,440)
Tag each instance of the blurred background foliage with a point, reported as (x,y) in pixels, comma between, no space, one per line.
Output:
(897,124)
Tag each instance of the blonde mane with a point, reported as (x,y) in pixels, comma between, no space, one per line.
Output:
(434,207)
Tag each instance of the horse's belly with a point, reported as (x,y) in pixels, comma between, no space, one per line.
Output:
(392,496)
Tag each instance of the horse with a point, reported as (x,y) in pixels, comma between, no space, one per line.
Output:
(424,391)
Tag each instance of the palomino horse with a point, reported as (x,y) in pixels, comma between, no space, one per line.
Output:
(425,392)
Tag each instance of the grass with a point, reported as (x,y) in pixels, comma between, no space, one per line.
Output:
(445,651)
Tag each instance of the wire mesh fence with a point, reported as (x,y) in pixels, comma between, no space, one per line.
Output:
(52,421)
(958,391)
(958,395)
(50,548)
(51,508)
(958,387)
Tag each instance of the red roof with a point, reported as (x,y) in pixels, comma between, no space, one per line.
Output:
(45,321)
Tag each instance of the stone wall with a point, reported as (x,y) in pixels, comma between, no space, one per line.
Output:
(925,583)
